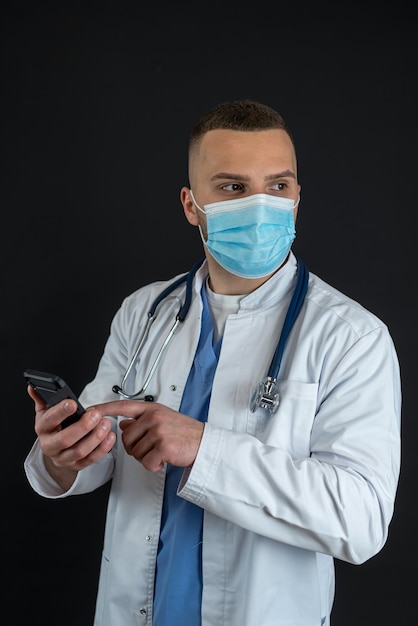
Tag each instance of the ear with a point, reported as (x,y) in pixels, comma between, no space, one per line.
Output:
(190,210)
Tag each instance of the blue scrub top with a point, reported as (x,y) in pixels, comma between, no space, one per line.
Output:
(178,581)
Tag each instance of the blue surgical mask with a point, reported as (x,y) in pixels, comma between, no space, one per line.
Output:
(252,236)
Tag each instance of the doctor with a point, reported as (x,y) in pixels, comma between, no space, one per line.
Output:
(222,513)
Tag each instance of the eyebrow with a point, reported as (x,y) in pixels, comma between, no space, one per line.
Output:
(232,176)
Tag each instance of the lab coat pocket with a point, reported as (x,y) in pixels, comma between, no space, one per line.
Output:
(290,426)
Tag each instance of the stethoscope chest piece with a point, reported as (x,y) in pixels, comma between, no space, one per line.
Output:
(265,396)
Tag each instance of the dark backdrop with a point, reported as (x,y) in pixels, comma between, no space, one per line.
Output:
(97,105)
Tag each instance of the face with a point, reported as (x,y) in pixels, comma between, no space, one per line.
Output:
(232,164)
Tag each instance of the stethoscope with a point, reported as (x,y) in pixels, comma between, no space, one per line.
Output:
(266,394)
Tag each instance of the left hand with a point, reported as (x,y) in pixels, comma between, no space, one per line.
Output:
(155,434)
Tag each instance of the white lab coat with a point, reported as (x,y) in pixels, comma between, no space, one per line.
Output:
(283,494)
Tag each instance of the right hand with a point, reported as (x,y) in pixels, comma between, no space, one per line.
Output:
(68,450)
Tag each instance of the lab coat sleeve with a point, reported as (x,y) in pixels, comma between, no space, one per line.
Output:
(87,480)
(112,363)
(124,331)
(338,500)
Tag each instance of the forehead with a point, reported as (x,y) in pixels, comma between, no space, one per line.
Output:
(239,151)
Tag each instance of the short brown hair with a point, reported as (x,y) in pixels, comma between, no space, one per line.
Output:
(244,115)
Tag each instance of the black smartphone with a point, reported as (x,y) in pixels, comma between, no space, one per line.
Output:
(52,389)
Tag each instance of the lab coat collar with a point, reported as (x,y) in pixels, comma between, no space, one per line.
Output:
(274,289)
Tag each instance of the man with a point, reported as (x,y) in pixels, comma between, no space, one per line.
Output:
(230,498)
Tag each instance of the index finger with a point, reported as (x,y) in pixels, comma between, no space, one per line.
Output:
(123,408)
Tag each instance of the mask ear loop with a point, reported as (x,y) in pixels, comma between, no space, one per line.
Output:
(204,213)
(195,203)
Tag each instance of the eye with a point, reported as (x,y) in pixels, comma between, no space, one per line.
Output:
(232,187)
(279,186)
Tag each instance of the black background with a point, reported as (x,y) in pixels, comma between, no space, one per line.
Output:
(97,103)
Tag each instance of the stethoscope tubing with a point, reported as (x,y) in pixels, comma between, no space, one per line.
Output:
(292,313)
(151,315)
(273,372)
